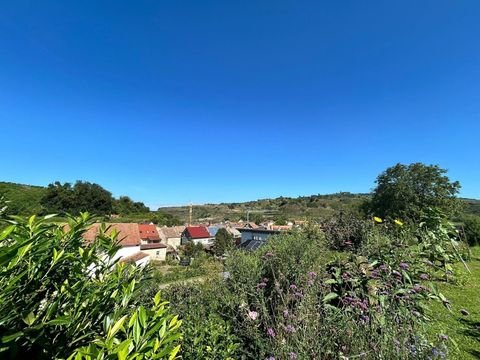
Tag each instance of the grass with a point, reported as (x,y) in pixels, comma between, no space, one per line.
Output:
(464,331)
(201,267)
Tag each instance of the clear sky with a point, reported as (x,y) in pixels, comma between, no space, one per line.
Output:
(173,101)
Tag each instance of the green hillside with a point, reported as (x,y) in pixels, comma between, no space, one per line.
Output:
(23,199)
(304,207)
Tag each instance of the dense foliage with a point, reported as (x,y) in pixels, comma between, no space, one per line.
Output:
(223,242)
(471,228)
(361,291)
(407,191)
(62,297)
(82,196)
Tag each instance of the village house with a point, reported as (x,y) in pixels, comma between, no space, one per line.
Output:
(131,241)
(197,235)
(254,238)
(171,236)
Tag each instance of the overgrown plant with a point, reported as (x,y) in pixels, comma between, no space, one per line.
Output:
(60,293)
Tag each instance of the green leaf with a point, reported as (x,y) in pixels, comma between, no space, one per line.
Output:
(29,319)
(11,337)
(174,352)
(118,325)
(61,320)
(7,231)
(330,297)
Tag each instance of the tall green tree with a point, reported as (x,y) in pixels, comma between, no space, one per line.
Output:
(408,191)
(125,206)
(223,242)
(81,197)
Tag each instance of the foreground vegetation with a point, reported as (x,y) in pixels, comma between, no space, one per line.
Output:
(346,287)
(462,323)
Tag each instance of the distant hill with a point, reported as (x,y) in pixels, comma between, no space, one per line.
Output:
(282,207)
(304,207)
(24,199)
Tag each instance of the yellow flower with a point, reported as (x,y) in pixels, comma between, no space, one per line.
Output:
(398,222)
(377,219)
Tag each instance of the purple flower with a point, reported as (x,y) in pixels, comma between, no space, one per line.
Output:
(265,280)
(253,315)
(383,267)
(270,358)
(290,329)
(396,273)
(345,276)
(424,276)
(293,287)
(261,285)
(292,356)
(271,332)
(285,313)
(298,295)
(374,274)
(267,255)
(312,274)
(404,266)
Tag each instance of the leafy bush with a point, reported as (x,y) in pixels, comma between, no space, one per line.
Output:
(346,231)
(471,228)
(61,296)
(294,298)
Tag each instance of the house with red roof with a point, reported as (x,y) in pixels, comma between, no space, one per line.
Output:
(197,235)
(139,243)
(148,233)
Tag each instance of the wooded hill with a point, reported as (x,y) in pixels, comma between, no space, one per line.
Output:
(26,199)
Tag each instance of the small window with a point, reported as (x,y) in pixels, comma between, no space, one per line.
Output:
(158,253)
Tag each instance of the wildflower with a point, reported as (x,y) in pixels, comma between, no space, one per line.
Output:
(293,287)
(396,273)
(261,285)
(378,220)
(290,329)
(398,222)
(443,337)
(271,332)
(267,255)
(298,295)
(404,266)
(270,358)
(292,356)
(253,315)
(374,274)
(311,274)
(285,313)
(383,267)
(424,276)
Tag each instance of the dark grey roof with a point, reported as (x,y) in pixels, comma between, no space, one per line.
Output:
(252,244)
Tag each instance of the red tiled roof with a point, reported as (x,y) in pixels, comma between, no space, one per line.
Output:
(148,232)
(197,232)
(128,233)
(152,246)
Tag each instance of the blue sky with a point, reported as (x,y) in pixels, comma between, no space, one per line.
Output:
(207,101)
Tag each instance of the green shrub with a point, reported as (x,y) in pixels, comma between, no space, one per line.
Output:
(60,294)
(471,228)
